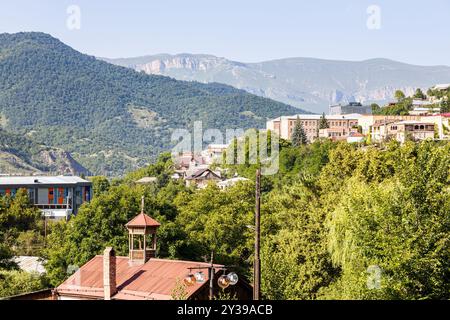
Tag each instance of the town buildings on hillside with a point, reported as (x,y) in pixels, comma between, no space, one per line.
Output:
(57,196)
(354,127)
(403,130)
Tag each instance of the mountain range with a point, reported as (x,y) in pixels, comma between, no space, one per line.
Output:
(109,118)
(307,83)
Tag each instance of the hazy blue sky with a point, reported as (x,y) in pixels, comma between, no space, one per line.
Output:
(246,30)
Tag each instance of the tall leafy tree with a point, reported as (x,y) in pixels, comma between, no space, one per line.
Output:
(399,95)
(419,94)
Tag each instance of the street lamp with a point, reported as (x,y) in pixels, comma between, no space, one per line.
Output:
(223,282)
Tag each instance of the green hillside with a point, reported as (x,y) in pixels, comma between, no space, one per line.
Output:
(110,118)
(20,155)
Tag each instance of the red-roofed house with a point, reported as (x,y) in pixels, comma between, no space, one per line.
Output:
(141,276)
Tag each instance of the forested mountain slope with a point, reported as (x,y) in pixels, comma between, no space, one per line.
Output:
(110,118)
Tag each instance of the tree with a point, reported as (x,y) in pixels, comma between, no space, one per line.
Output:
(100,185)
(399,95)
(375,108)
(295,261)
(18,282)
(298,134)
(419,94)
(323,123)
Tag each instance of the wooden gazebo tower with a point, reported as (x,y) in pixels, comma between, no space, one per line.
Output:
(142,237)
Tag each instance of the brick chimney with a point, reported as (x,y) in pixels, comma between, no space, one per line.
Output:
(109,273)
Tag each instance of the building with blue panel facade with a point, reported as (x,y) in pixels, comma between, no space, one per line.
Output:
(57,196)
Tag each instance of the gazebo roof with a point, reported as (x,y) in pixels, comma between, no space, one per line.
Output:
(143,220)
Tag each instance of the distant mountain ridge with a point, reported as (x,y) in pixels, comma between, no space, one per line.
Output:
(109,118)
(306,83)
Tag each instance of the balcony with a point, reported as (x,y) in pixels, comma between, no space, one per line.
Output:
(53,206)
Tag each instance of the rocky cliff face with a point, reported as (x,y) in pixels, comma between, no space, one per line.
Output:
(52,161)
(20,155)
(61,162)
(306,83)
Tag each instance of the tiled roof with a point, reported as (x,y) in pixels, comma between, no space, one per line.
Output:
(155,279)
(143,220)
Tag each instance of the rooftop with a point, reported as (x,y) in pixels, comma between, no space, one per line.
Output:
(146,180)
(37,180)
(30,264)
(352,116)
(143,220)
(154,280)
(203,174)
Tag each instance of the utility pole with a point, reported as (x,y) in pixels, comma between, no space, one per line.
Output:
(211,277)
(257,262)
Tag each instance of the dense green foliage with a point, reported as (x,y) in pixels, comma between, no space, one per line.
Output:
(110,118)
(15,282)
(339,221)
(21,233)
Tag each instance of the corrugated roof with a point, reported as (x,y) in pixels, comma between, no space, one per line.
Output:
(155,279)
(30,264)
(143,220)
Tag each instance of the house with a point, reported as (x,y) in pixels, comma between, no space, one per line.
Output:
(188,160)
(421,103)
(442,123)
(355,137)
(215,151)
(403,130)
(423,111)
(201,178)
(336,134)
(442,87)
(284,125)
(57,196)
(352,107)
(366,122)
(142,276)
(230,182)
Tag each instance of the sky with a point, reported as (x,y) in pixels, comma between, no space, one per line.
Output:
(413,31)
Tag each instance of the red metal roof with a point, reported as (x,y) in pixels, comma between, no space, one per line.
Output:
(143,220)
(153,280)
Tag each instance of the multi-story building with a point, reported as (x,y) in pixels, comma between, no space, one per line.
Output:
(284,125)
(402,130)
(352,107)
(366,122)
(442,123)
(57,196)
